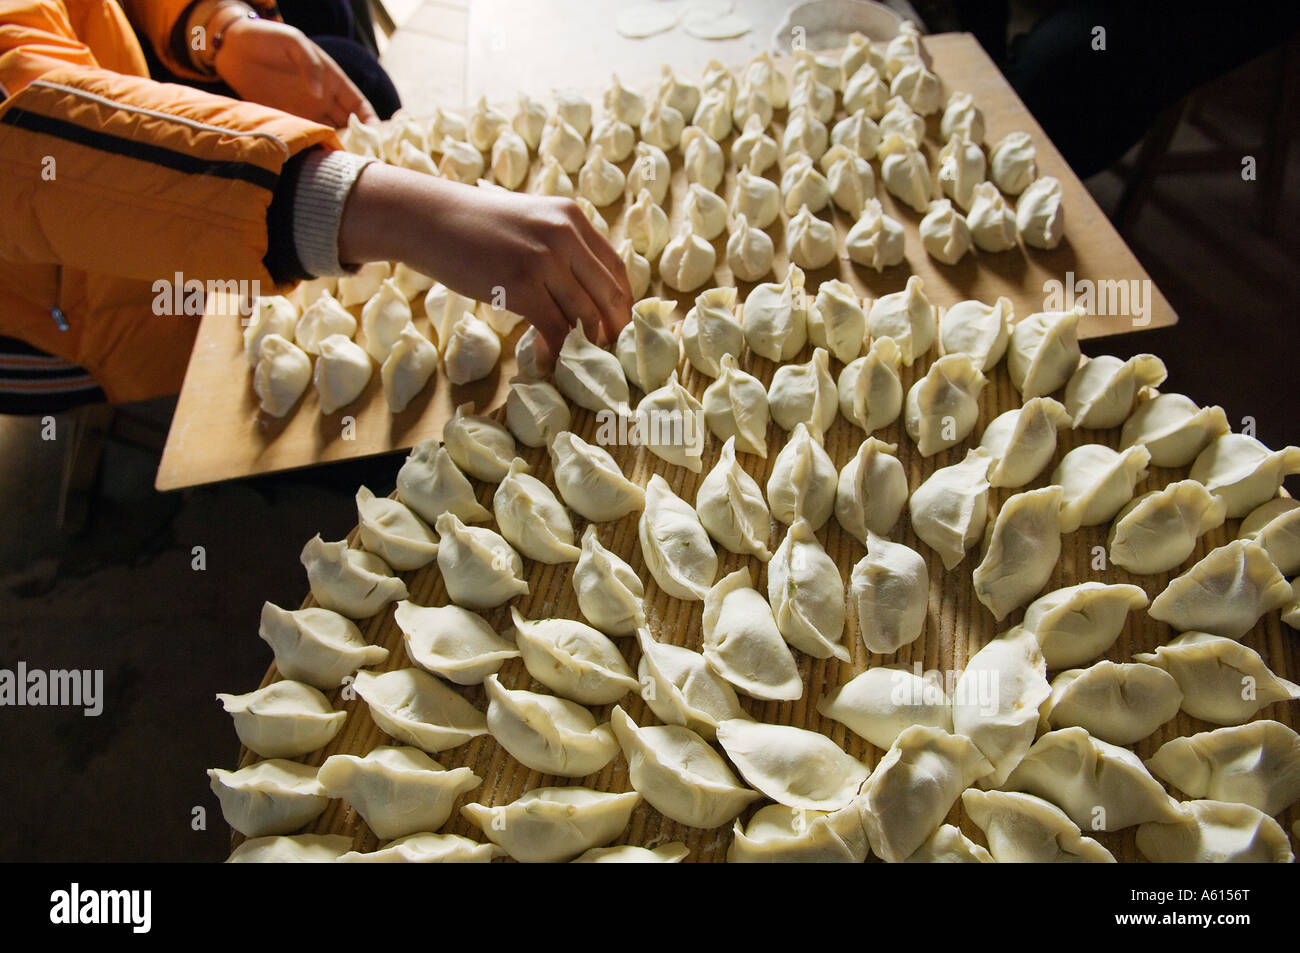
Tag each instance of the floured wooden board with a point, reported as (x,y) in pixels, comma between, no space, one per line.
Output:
(218,434)
(956,627)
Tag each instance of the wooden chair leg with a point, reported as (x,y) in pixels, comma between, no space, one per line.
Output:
(87,428)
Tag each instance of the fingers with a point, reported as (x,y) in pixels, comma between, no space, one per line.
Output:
(549,320)
(612,297)
(577,305)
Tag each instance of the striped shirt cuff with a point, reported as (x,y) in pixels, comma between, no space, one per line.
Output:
(326,178)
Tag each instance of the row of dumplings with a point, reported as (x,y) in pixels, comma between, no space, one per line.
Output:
(310,337)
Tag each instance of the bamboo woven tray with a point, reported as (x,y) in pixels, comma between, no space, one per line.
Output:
(218,434)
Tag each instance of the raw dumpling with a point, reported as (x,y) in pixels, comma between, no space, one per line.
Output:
(809,241)
(531,519)
(645,225)
(992,222)
(705,212)
(735,406)
(391,531)
(1077,624)
(794,767)
(1243,471)
(461,162)
(1023,441)
(479,567)
(688,261)
(425,848)
(562,142)
(837,322)
(871,491)
(551,825)
(444,307)
(294,849)
(775,317)
(281,376)
(484,125)
(352,582)
(777,834)
(859,136)
(731,507)
(1021,547)
(977,329)
(637,268)
(417,709)
(1119,703)
(889,589)
(1044,351)
(609,592)
(626,104)
(1011,163)
(1222,681)
(914,786)
(316,646)
(961,169)
(681,688)
(996,700)
(444,126)
(870,390)
(671,853)
(573,659)
(589,480)
(529,121)
(944,233)
(452,642)
(600,181)
(1023,829)
(548,734)
(286,719)
(359,286)
(702,157)
(802,185)
(321,319)
(472,350)
(479,445)
(950,508)
(590,376)
(679,94)
(675,546)
(711,330)
(804,393)
(749,250)
(875,240)
(805,135)
(650,171)
(803,480)
(918,87)
(742,644)
(1256,764)
(756,198)
(536,412)
(806,593)
(575,109)
(961,115)
(553,180)
(1275,525)
(269,797)
(1225,593)
(679,775)
(1100,393)
(1097,483)
(1158,531)
(942,407)
(617,138)
(670,424)
(663,125)
(1100,786)
(1216,832)
(1173,428)
(397,791)
(383,318)
(410,364)
(342,371)
(905,172)
(1040,216)
(271,315)
(713,116)
(881,702)
(431,484)
(753,151)
(762,74)
(908,317)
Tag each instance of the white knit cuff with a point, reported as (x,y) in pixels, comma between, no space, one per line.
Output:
(324,182)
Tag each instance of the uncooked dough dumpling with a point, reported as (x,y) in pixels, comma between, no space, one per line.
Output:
(742,643)
(479,567)
(548,734)
(806,593)
(674,544)
(352,582)
(949,509)
(1021,548)
(803,480)
(281,376)
(590,481)
(531,518)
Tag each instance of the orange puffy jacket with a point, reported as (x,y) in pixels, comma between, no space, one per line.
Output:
(110,182)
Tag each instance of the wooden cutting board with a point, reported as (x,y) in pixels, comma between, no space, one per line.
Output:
(217,432)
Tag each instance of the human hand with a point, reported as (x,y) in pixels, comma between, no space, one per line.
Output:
(541,252)
(275,65)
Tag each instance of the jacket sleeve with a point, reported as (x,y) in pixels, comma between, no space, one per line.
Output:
(117,174)
(161,22)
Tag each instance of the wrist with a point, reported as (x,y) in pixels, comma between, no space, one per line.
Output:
(222,21)
(388,214)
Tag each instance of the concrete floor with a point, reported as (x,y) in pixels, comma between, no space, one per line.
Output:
(123,596)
